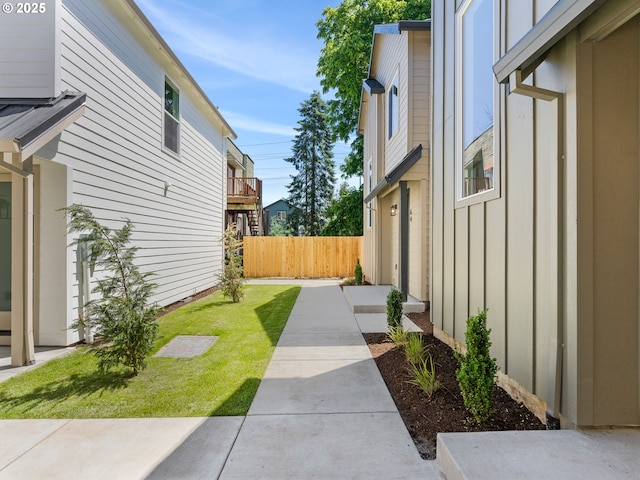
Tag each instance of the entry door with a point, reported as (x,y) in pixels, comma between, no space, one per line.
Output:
(5,252)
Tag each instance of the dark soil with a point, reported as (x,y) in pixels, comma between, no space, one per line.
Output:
(184,301)
(444,411)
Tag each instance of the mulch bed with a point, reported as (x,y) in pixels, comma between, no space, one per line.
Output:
(444,411)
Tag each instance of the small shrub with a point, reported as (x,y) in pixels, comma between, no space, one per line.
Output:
(231,280)
(425,376)
(358,272)
(348,281)
(394,308)
(398,335)
(476,375)
(414,349)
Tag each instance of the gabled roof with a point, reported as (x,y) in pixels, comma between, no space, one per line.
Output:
(370,85)
(164,47)
(27,124)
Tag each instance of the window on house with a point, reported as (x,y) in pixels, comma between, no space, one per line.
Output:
(393,107)
(477,83)
(281,215)
(171,137)
(370,185)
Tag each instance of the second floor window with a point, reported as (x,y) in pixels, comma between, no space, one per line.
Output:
(171,137)
(393,107)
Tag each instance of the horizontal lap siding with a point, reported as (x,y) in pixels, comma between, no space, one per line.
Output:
(115,151)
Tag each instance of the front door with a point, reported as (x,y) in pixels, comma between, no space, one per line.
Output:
(5,255)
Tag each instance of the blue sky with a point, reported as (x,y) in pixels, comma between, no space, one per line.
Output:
(256,60)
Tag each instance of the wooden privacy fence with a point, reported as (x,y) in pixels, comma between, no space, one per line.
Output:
(309,257)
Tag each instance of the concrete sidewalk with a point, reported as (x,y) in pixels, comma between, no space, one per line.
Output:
(322,411)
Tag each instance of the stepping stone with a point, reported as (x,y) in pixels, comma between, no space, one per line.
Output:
(186,346)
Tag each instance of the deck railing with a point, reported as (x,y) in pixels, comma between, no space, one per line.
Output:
(244,190)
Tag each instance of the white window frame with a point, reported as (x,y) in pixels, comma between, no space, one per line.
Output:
(370,187)
(393,105)
(494,192)
(165,115)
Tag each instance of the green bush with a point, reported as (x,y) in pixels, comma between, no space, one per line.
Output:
(231,278)
(394,308)
(123,314)
(358,272)
(477,372)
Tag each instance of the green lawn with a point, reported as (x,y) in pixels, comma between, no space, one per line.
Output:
(223,381)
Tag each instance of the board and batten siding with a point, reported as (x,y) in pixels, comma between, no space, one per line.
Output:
(500,253)
(115,159)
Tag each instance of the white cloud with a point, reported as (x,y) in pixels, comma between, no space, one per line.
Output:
(244,49)
(239,121)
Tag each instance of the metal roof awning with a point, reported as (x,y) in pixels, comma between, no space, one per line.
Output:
(531,49)
(397,173)
(26,125)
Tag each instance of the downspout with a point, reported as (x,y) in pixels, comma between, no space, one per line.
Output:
(516,86)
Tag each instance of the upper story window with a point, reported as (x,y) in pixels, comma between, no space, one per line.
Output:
(281,215)
(370,187)
(171,137)
(477,84)
(392,97)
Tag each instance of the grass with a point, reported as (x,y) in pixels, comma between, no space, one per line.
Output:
(222,381)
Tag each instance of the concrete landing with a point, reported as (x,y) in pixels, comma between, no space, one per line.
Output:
(373,299)
(563,454)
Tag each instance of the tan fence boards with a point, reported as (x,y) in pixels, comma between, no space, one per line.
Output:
(308,257)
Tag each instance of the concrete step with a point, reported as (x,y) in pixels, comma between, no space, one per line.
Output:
(524,455)
(373,299)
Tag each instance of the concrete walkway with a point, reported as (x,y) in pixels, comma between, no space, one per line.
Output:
(322,411)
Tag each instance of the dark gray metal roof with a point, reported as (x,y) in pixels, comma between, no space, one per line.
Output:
(372,86)
(402,26)
(560,20)
(23,121)
(397,173)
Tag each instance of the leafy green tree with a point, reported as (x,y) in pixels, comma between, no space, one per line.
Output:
(341,220)
(347,31)
(311,189)
(279,228)
(123,312)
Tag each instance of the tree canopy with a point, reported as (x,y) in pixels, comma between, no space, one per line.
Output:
(311,188)
(341,220)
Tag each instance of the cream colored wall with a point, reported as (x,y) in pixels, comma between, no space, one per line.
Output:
(500,253)
(559,246)
(407,54)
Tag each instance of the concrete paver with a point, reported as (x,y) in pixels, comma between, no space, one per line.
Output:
(532,455)
(377,322)
(118,448)
(354,446)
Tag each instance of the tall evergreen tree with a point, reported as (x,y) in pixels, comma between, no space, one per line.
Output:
(311,189)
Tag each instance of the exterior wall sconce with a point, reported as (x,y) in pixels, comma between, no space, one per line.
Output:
(394,209)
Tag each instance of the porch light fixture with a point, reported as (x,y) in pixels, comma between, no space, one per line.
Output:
(394,209)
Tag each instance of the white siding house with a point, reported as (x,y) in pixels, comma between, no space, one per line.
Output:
(147,145)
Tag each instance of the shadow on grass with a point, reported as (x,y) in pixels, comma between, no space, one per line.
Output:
(271,313)
(238,404)
(57,391)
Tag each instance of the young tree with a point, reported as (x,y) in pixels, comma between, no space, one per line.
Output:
(231,278)
(123,312)
(340,218)
(279,228)
(311,189)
